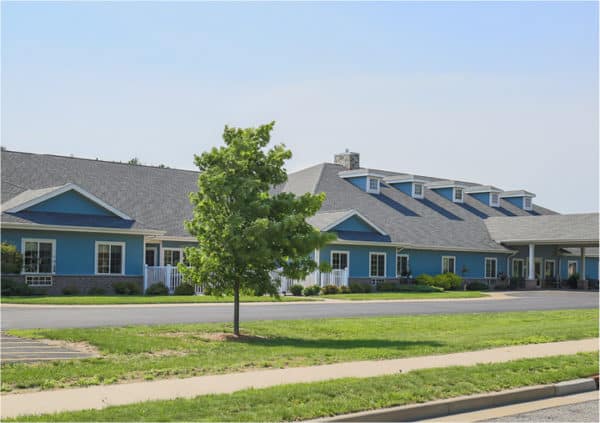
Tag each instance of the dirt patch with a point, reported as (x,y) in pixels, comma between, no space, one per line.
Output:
(213,336)
(83,347)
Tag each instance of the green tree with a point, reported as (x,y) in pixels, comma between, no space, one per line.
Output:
(243,231)
(11,260)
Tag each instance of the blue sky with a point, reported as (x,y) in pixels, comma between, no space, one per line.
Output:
(498,93)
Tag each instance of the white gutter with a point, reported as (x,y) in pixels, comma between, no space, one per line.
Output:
(62,228)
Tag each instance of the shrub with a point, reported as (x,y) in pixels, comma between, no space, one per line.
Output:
(296,290)
(185,289)
(355,287)
(447,281)
(345,289)
(11,287)
(311,290)
(477,286)
(158,288)
(387,286)
(96,290)
(424,279)
(330,289)
(11,259)
(70,290)
(126,288)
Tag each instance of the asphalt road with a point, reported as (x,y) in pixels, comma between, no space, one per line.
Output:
(90,316)
(581,412)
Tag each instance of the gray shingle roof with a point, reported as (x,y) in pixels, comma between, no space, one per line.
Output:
(568,228)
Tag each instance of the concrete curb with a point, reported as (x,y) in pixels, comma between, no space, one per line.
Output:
(464,404)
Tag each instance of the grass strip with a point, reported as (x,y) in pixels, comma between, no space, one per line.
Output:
(143,299)
(340,396)
(184,350)
(378,296)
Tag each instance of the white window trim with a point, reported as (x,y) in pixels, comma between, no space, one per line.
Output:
(454,261)
(485,276)
(162,254)
(530,203)
(369,189)
(407,263)
(569,265)
(52,241)
(462,199)
(519,260)
(497,202)
(553,267)
(378,253)
(414,194)
(339,252)
(122,244)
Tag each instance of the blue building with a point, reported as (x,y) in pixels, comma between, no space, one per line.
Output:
(90,223)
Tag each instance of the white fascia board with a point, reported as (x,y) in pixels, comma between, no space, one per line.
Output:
(422,247)
(518,193)
(403,179)
(61,190)
(566,243)
(360,173)
(444,184)
(350,214)
(61,228)
(482,189)
(177,238)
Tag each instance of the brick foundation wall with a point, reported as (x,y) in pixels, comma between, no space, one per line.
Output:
(83,283)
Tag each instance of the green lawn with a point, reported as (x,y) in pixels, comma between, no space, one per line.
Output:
(340,396)
(375,296)
(143,299)
(148,352)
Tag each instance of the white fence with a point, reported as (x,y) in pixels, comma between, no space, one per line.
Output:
(337,277)
(167,275)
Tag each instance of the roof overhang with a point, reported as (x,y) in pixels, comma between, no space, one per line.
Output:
(424,247)
(402,179)
(482,189)
(444,184)
(357,173)
(517,193)
(48,194)
(61,228)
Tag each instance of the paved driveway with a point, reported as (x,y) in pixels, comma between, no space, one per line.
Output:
(91,316)
(13,349)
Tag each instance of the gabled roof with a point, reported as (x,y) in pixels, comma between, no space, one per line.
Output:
(30,198)
(326,221)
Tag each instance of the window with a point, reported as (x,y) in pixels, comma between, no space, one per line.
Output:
(402,265)
(448,264)
(572,267)
(494,199)
(377,265)
(417,190)
(38,255)
(491,268)
(458,195)
(518,268)
(527,203)
(172,256)
(339,260)
(549,269)
(373,185)
(110,258)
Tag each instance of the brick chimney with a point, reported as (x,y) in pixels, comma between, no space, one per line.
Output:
(348,159)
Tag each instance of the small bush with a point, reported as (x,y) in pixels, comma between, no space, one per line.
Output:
(296,290)
(126,288)
(477,286)
(11,259)
(185,289)
(424,279)
(387,286)
(158,288)
(330,289)
(345,289)
(356,287)
(70,290)
(311,290)
(447,281)
(96,290)
(11,287)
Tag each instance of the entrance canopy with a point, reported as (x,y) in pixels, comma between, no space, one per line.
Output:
(565,230)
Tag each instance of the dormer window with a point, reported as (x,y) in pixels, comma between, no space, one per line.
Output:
(526,203)
(373,185)
(458,194)
(417,190)
(494,199)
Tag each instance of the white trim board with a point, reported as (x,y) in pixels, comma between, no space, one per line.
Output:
(38,240)
(378,253)
(120,243)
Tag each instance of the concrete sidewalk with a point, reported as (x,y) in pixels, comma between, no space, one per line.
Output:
(97,397)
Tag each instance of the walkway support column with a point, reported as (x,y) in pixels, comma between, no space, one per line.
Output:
(582,283)
(531,282)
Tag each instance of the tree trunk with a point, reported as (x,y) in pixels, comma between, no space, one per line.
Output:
(236,309)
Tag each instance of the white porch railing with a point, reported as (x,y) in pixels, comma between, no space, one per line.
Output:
(167,275)
(337,277)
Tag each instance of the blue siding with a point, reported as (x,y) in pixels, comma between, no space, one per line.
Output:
(360,182)
(359,258)
(483,197)
(445,192)
(354,224)
(405,187)
(75,251)
(430,262)
(515,201)
(591,267)
(71,202)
